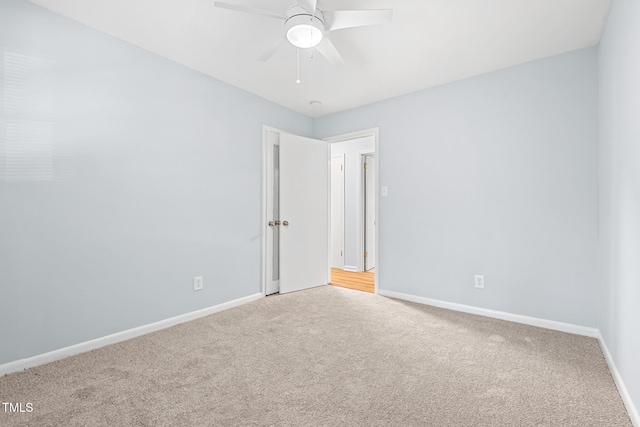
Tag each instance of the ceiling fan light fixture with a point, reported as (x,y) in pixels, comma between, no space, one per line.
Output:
(304,31)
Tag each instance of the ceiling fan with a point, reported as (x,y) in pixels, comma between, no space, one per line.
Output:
(306,26)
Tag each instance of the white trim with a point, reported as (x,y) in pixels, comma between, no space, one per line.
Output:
(353,268)
(622,389)
(62,353)
(352,135)
(518,318)
(263,230)
(264,226)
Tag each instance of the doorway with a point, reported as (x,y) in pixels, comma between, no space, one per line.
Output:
(299,253)
(353,211)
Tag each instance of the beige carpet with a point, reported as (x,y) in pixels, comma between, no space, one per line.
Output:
(327,357)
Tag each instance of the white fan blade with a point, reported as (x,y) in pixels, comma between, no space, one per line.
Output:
(308,5)
(327,49)
(247,9)
(356,18)
(269,52)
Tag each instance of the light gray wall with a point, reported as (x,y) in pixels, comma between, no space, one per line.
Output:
(123,176)
(619,316)
(494,175)
(352,182)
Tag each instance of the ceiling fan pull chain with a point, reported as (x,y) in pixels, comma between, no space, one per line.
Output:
(298,80)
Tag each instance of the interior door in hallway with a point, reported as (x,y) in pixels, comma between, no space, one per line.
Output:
(369,212)
(337,211)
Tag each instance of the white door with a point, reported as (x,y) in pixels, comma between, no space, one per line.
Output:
(304,213)
(370,212)
(337,211)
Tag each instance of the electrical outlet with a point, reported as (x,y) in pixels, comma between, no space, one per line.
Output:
(197,283)
(479,282)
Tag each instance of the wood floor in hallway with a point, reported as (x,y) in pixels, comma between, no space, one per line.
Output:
(357,281)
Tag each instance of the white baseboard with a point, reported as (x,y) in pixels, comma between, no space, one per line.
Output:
(533,321)
(51,356)
(353,268)
(622,389)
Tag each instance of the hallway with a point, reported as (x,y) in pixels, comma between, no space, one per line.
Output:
(364,281)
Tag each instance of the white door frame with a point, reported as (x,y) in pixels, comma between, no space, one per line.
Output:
(347,137)
(360,225)
(337,156)
(362,207)
(263,225)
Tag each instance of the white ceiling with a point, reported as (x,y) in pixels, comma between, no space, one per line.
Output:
(429,42)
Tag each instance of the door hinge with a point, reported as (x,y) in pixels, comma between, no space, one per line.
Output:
(366,254)
(365,166)
(340,167)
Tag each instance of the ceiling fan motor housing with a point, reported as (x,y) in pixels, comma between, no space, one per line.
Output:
(303,29)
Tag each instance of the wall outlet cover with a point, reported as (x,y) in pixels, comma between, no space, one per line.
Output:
(479,282)
(197,283)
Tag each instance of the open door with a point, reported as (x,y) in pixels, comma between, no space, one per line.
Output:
(304,213)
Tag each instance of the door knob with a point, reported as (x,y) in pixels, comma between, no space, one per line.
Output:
(285,223)
(277,222)
(271,224)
